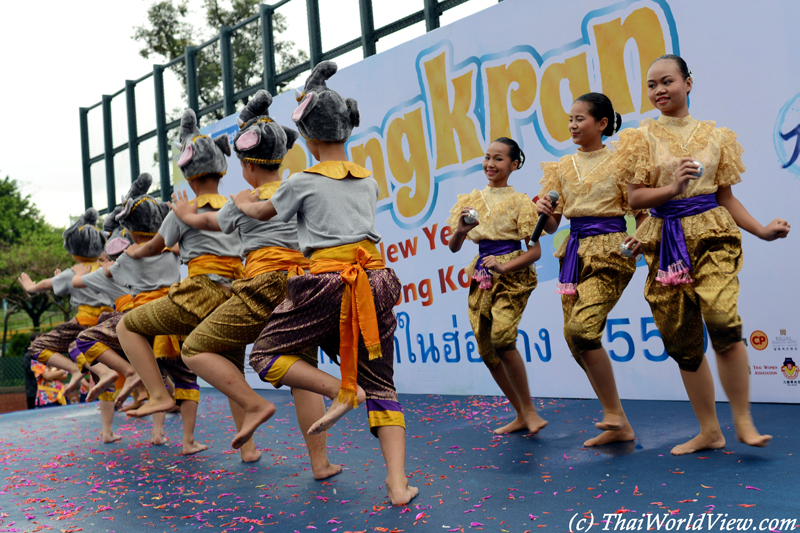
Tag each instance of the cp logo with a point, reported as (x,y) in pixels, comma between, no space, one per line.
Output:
(759,340)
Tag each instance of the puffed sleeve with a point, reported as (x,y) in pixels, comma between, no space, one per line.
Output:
(631,163)
(730,159)
(527,216)
(551,181)
(464,200)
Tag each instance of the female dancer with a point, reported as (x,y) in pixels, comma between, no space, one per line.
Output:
(693,246)
(502,275)
(593,271)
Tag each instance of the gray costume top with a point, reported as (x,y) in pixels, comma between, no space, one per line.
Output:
(329,212)
(194,242)
(62,284)
(147,274)
(98,281)
(256,234)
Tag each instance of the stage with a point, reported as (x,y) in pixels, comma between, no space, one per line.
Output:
(58,476)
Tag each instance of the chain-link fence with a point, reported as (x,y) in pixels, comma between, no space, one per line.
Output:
(12,373)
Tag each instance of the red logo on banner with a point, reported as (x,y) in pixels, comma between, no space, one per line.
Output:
(759,340)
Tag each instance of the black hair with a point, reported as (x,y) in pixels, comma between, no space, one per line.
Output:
(270,168)
(32,336)
(600,108)
(514,151)
(683,68)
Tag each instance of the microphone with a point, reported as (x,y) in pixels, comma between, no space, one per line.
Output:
(537,232)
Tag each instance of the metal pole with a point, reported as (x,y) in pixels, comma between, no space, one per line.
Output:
(161,133)
(87,167)
(192,88)
(227,69)
(367,28)
(108,156)
(314,32)
(133,134)
(268,48)
(431,15)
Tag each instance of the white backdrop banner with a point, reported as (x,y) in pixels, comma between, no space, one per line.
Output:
(430,107)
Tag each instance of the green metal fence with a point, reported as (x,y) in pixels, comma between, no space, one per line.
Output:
(431,13)
(11,372)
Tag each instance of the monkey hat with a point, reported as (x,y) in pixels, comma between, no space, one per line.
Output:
(83,239)
(140,213)
(118,237)
(260,139)
(322,113)
(200,154)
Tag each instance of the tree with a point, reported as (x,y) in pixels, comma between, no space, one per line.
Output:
(168,32)
(29,244)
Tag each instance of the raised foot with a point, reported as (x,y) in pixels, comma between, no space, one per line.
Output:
(746,433)
(100,386)
(533,424)
(401,493)
(158,440)
(699,443)
(132,406)
(624,434)
(253,417)
(130,383)
(191,448)
(612,422)
(250,456)
(107,439)
(74,382)
(327,471)
(334,413)
(153,406)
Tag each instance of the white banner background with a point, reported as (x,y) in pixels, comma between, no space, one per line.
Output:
(501,70)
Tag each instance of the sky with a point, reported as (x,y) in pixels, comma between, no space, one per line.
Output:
(69,54)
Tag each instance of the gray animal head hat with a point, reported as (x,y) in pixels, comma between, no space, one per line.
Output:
(83,239)
(140,213)
(260,139)
(322,113)
(200,154)
(118,237)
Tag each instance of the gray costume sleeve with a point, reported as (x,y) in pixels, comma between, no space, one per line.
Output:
(228,217)
(286,201)
(170,230)
(62,284)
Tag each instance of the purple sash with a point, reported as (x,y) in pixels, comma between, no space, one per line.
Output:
(581,227)
(487,248)
(674,264)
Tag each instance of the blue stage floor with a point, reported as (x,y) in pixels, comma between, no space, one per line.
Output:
(57,476)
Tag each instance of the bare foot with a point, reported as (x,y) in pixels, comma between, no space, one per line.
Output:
(254,416)
(130,384)
(533,423)
(132,406)
(191,448)
(158,440)
(401,493)
(612,422)
(74,382)
(746,433)
(101,385)
(335,412)
(619,435)
(176,409)
(699,443)
(329,470)
(153,406)
(107,439)
(249,456)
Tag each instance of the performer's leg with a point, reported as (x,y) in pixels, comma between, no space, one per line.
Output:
(248,451)
(511,377)
(189,418)
(393,446)
(113,360)
(223,375)
(734,374)
(615,425)
(106,377)
(310,407)
(107,415)
(158,438)
(65,363)
(699,386)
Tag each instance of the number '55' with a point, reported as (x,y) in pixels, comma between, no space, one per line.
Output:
(648,330)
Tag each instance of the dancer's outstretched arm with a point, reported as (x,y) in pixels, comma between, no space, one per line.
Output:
(777,229)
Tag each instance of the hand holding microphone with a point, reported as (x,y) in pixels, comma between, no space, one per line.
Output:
(542,208)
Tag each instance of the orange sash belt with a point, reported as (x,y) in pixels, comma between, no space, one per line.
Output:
(145,297)
(88,315)
(163,345)
(358,307)
(124,303)
(273,259)
(227,267)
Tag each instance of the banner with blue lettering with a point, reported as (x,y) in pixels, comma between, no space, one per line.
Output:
(430,107)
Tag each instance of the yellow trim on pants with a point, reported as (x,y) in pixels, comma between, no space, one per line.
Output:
(94,352)
(187,394)
(279,368)
(45,356)
(386,418)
